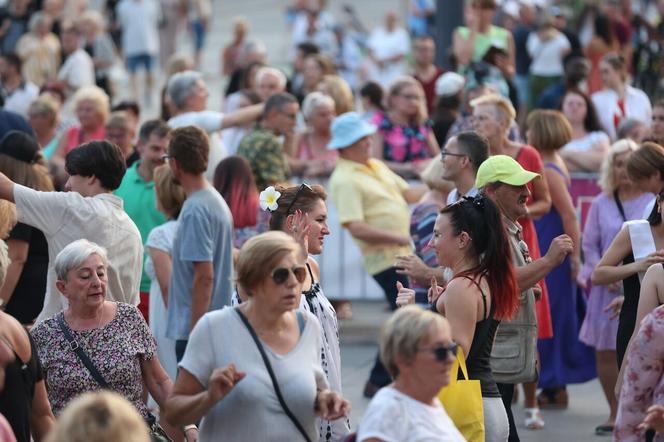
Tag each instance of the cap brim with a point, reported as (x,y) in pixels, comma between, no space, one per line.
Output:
(346,140)
(520,178)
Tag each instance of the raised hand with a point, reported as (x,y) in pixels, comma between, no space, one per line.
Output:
(222,381)
(434,291)
(299,229)
(330,405)
(405,296)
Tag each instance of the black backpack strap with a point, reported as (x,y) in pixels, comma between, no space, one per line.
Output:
(80,353)
(275,384)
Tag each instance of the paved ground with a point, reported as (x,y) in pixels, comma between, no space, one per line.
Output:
(358,348)
(358,336)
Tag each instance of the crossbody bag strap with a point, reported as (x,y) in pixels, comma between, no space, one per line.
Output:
(81,354)
(275,384)
(619,204)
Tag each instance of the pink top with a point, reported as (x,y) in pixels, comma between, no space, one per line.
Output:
(75,137)
(305,153)
(402,144)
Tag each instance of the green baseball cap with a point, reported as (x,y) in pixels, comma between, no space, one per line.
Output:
(503,169)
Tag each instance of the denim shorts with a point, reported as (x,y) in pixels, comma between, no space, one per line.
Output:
(134,61)
(199,34)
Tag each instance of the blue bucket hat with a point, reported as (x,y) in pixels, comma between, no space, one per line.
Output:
(347,129)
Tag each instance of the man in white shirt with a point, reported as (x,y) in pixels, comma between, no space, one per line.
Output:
(17,91)
(388,47)
(78,69)
(87,210)
(462,156)
(188,94)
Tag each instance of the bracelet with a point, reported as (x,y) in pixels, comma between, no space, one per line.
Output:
(189,427)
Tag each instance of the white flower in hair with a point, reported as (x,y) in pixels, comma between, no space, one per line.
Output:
(268,199)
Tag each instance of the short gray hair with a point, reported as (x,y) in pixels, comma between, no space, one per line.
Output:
(4,261)
(607,180)
(313,101)
(74,254)
(267,70)
(181,85)
(402,333)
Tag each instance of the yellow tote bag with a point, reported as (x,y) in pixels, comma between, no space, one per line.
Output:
(462,400)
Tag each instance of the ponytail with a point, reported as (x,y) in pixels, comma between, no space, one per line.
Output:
(481,220)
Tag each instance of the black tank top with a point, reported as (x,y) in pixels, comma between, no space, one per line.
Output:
(478,360)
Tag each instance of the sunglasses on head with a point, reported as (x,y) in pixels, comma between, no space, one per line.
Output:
(281,274)
(302,187)
(442,352)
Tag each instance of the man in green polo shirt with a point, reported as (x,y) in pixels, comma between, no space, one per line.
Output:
(137,189)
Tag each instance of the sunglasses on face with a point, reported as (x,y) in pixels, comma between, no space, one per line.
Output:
(281,274)
(303,186)
(442,352)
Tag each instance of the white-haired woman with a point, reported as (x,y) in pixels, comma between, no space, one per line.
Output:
(417,349)
(113,336)
(39,50)
(23,399)
(311,157)
(619,201)
(224,376)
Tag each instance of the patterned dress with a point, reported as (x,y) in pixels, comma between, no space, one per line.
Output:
(643,384)
(315,301)
(116,349)
(403,143)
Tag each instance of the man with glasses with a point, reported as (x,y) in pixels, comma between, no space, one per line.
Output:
(505,182)
(263,148)
(462,156)
(202,274)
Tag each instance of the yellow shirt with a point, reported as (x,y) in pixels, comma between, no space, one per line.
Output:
(372,193)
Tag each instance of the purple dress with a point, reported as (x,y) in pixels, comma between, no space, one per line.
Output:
(563,358)
(602,225)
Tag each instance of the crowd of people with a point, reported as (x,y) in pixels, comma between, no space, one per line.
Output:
(173,261)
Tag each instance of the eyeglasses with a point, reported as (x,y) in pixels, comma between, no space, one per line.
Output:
(411,97)
(281,274)
(445,152)
(442,352)
(302,187)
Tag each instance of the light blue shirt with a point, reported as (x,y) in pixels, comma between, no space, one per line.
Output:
(204,234)
(454,196)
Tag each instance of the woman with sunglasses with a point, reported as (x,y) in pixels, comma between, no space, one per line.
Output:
(417,349)
(224,376)
(469,238)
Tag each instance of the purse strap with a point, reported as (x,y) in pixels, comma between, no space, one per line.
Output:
(619,204)
(81,354)
(275,384)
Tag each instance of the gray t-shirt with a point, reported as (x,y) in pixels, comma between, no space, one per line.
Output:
(205,234)
(251,411)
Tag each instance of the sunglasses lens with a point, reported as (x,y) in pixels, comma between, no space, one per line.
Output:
(442,353)
(300,274)
(280,275)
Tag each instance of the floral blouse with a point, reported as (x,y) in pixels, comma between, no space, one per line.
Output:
(116,349)
(403,144)
(643,384)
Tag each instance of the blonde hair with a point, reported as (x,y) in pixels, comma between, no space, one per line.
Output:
(337,88)
(95,95)
(94,18)
(4,262)
(101,416)
(548,130)
(502,105)
(607,181)
(432,176)
(260,254)
(45,105)
(402,333)
(398,85)
(7,218)
(170,194)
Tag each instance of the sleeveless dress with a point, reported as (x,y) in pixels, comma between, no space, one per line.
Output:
(315,302)
(563,359)
(530,160)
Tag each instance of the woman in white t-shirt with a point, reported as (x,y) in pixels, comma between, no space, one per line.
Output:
(589,144)
(417,349)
